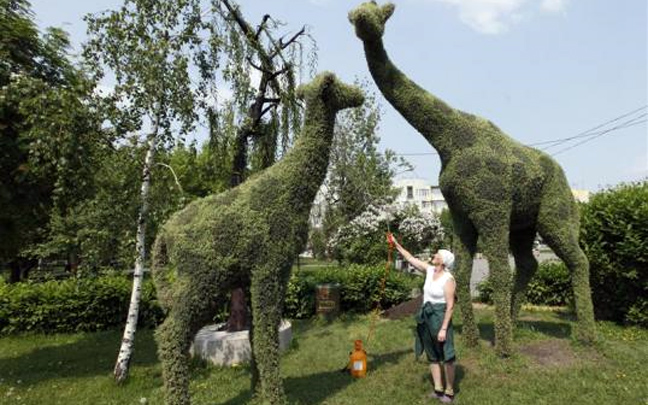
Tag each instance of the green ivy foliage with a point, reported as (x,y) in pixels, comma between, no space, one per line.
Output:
(74,305)
(614,233)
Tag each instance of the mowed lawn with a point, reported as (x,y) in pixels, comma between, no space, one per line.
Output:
(549,367)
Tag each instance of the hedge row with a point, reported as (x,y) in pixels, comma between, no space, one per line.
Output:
(73,305)
(91,304)
(551,285)
(360,288)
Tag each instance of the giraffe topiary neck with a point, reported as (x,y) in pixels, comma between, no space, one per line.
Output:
(306,164)
(433,118)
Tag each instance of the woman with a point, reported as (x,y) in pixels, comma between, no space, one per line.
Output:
(434,330)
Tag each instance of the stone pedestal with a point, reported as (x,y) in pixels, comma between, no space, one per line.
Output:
(227,349)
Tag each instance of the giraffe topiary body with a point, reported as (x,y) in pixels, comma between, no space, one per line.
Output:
(497,190)
(246,237)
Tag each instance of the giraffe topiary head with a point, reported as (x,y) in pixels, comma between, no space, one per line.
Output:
(369,20)
(327,88)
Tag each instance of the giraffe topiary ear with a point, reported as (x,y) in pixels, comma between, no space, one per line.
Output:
(387,11)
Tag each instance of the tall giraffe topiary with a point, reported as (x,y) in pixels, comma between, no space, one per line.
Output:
(246,237)
(497,190)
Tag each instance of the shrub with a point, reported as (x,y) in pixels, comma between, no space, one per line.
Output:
(614,234)
(360,289)
(551,285)
(78,304)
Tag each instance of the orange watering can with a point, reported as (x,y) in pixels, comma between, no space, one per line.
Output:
(358,361)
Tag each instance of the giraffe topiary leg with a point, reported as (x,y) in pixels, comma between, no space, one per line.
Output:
(526,265)
(558,225)
(464,250)
(194,305)
(266,313)
(492,224)
(496,252)
(174,339)
(254,369)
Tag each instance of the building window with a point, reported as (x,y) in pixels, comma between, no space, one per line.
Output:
(422,193)
(436,193)
(410,192)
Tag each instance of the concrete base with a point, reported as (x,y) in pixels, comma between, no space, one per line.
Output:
(227,349)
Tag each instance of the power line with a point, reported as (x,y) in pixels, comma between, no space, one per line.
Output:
(588,132)
(626,125)
(629,122)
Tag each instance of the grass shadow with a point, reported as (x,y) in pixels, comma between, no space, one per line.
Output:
(559,330)
(317,387)
(486,330)
(91,354)
(460,374)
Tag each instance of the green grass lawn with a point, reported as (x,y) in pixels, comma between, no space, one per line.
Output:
(312,264)
(550,368)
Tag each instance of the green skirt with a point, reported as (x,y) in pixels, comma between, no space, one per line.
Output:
(429,319)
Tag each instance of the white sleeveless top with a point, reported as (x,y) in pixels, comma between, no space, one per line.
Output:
(433,289)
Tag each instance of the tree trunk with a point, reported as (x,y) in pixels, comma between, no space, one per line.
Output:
(126,350)
(240,157)
(14,267)
(238,317)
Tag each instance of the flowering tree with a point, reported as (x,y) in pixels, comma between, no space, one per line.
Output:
(363,239)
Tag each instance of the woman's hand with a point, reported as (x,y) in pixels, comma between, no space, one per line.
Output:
(441,337)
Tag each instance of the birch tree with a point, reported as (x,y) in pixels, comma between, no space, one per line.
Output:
(147,46)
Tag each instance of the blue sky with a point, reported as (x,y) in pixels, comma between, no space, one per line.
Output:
(539,69)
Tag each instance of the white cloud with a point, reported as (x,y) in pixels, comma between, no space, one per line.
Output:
(320,2)
(553,6)
(496,16)
(488,16)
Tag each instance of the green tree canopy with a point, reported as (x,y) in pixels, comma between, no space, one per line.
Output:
(50,132)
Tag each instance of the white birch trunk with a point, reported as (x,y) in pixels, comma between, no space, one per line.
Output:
(126,349)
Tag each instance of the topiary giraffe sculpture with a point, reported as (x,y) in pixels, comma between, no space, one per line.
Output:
(245,237)
(497,190)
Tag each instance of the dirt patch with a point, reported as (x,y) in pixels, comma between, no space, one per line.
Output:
(404,309)
(550,353)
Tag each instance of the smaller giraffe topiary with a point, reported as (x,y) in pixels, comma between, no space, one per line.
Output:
(246,237)
(497,190)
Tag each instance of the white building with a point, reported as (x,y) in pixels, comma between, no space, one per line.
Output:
(428,198)
(581,195)
(419,192)
(318,209)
